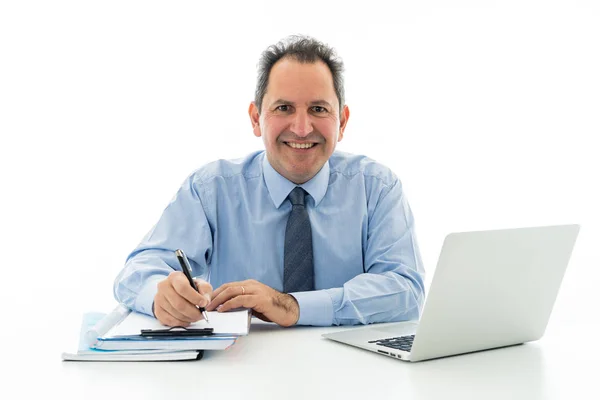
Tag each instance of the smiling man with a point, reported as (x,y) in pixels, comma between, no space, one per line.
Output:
(299,233)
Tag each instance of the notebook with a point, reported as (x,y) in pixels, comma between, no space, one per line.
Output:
(123,332)
(490,289)
(233,323)
(85,353)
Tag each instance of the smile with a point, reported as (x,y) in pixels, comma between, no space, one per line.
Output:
(300,145)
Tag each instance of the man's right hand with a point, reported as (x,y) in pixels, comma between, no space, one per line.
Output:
(175,302)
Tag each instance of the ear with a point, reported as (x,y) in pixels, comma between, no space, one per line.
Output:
(254,114)
(344,116)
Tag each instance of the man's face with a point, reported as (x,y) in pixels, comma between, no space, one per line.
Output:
(300,120)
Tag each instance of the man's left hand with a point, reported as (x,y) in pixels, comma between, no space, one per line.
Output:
(267,303)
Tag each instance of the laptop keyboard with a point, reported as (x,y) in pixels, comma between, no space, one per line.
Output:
(403,343)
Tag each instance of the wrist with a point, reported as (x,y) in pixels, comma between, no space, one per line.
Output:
(291,309)
(295,309)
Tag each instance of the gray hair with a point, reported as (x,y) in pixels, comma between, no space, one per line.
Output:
(303,49)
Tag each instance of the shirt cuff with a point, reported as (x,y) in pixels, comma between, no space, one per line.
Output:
(145,298)
(316,308)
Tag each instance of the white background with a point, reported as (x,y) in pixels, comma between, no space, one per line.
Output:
(486,110)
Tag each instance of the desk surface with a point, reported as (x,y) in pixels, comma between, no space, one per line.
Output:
(297,363)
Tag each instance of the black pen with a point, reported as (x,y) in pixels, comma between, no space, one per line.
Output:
(187,271)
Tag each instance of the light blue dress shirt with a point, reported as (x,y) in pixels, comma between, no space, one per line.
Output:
(229,217)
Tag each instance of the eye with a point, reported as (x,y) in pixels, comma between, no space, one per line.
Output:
(283,107)
(319,109)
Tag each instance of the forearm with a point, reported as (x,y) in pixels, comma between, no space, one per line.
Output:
(373,298)
(135,286)
(367,298)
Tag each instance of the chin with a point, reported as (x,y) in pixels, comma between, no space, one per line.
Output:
(301,178)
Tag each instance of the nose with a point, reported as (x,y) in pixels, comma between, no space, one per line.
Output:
(301,124)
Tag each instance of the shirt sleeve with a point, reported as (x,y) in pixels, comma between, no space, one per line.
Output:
(182,225)
(392,287)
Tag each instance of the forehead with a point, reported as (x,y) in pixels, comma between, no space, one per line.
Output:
(298,81)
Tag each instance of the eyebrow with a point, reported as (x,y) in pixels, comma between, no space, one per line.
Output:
(312,103)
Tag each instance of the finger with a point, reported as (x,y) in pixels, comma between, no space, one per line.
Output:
(173,303)
(205,290)
(180,308)
(246,301)
(166,318)
(227,294)
(163,299)
(222,288)
(247,284)
(184,289)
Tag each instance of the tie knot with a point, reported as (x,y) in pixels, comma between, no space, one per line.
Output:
(297,196)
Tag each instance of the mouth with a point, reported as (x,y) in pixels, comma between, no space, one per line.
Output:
(301,146)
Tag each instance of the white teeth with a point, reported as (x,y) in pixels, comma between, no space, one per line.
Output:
(301,145)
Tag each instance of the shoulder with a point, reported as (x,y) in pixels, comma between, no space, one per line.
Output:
(247,167)
(354,166)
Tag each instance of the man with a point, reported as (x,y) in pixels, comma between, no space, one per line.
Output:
(298,233)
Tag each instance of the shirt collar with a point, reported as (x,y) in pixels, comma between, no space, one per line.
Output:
(279,187)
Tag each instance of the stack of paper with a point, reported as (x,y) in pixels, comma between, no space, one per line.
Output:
(117,337)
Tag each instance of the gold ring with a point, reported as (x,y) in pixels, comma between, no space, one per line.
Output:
(243,291)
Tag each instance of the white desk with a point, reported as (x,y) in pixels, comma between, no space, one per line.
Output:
(296,363)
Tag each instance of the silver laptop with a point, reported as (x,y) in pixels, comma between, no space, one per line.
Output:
(490,289)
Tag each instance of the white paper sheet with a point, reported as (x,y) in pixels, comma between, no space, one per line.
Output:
(234,323)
